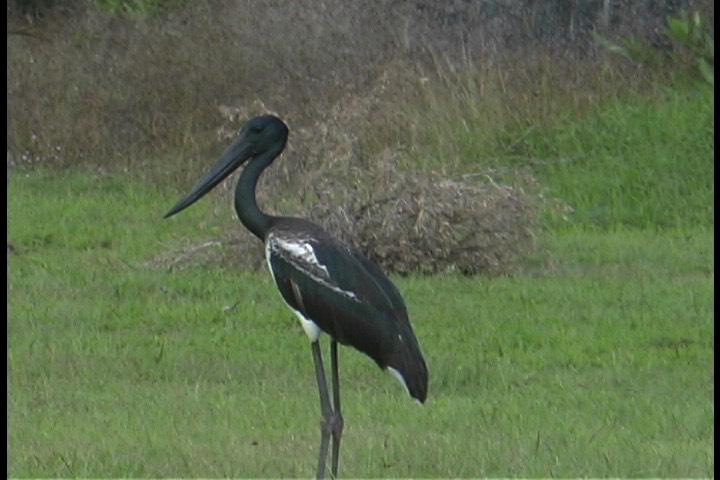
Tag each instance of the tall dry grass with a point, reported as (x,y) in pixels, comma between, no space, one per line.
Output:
(87,85)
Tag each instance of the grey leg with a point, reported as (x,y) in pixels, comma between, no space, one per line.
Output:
(337,414)
(325,408)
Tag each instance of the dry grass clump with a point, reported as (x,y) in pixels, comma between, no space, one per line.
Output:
(407,222)
(421,222)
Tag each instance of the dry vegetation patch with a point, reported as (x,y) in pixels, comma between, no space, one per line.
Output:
(422,222)
(366,88)
(408,221)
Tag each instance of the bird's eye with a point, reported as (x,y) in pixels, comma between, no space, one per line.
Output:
(256,129)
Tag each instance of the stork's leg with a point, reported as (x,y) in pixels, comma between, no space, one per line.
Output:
(337,411)
(325,407)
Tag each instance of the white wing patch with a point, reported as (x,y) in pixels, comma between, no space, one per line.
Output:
(311,328)
(298,249)
(302,255)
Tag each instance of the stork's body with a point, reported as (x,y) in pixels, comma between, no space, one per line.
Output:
(335,289)
(331,286)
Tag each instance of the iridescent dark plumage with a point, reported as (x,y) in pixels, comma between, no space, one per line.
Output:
(331,286)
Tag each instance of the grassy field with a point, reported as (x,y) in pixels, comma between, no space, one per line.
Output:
(598,363)
(139,348)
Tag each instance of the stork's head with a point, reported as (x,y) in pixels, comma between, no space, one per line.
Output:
(261,134)
(262,137)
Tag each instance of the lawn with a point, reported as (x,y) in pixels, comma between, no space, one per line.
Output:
(598,363)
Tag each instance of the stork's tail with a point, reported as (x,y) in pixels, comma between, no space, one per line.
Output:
(408,364)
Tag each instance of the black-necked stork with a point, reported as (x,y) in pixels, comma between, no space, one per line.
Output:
(331,286)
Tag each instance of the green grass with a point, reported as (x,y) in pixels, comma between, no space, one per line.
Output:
(641,163)
(643,160)
(599,364)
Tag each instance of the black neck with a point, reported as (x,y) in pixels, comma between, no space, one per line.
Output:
(246,206)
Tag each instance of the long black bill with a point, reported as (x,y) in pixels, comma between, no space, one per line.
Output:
(236,154)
